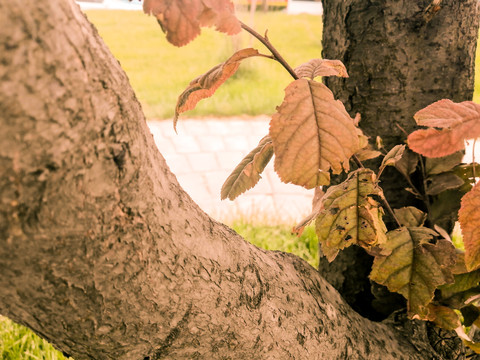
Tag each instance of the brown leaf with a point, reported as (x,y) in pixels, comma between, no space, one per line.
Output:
(443,317)
(408,163)
(205,85)
(469,218)
(393,156)
(410,216)
(459,122)
(439,165)
(441,182)
(316,209)
(247,174)
(367,154)
(321,67)
(182,19)
(312,133)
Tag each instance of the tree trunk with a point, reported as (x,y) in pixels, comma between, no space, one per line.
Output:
(401,56)
(104,255)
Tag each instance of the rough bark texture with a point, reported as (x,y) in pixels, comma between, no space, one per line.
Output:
(400,58)
(101,251)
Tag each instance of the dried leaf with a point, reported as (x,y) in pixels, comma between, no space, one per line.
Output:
(475,346)
(435,166)
(443,317)
(367,154)
(393,156)
(205,85)
(321,67)
(182,19)
(415,268)
(408,163)
(247,174)
(459,122)
(312,133)
(410,216)
(349,216)
(469,218)
(441,182)
(462,282)
(316,208)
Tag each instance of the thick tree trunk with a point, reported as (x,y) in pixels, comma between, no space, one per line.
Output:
(401,56)
(101,251)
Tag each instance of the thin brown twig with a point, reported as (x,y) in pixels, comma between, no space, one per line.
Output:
(473,159)
(389,209)
(264,40)
(357,161)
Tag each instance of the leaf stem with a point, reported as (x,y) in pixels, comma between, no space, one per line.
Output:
(389,209)
(357,161)
(264,40)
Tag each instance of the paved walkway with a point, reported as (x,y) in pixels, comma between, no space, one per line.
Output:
(203,154)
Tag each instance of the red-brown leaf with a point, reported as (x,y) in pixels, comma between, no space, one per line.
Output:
(321,67)
(205,85)
(312,133)
(469,218)
(182,19)
(459,122)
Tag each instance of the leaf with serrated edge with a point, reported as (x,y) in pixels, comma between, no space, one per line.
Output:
(443,317)
(435,166)
(205,85)
(459,122)
(349,216)
(247,174)
(410,216)
(367,154)
(181,19)
(469,218)
(441,182)
(415,268)
(463,282)
(312,133)
(321,67)
(393,156)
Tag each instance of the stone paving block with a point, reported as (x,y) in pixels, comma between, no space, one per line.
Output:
(215,180)
(202,162)
(228,160)
(178,163)
(186,144)
(194,127)
(238,142)
(194,185)
(211,143)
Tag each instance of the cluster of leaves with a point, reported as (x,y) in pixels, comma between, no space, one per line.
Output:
(312,136)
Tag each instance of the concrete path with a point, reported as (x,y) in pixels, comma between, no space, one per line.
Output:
(203,154)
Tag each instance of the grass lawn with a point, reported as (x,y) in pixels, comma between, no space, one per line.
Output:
(159,72)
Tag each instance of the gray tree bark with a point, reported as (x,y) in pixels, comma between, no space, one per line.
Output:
(401,56)
(105,256)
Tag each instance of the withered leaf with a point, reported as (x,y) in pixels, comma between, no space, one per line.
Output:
(367,154)
(247,174)
(181,19)
(393,156)
(458,121)
(462,282)
(410,216)
(321,67)
(469,218)
(408,163)
(414,268)
(349,216)
(441,182)
(443,317)
(435,166)
(312,133)
(205,85)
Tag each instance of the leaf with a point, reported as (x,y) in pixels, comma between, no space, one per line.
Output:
(321,67)
(410,216)
(316,208)
(349,216)
(475,346)
(181,19)
(247,174)
(312,133)
(439,165)
(205,85)
(367,154)
(469,218)
(443,317)
(408,163)
(462,282)
(459,122)
(441,182)
(415,268)
(393,156)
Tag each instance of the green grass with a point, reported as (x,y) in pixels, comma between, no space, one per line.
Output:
(159,72)
(19,343)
